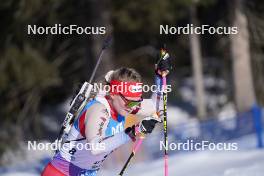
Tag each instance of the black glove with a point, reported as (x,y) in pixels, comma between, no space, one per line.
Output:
(163,62)
(146,126)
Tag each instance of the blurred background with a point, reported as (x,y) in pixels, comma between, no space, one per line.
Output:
(217,80)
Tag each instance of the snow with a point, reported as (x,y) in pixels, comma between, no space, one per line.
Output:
(215,92)
(227,116)
(208,163)
(23,155)
(239,163)
(246,161)
(177,116)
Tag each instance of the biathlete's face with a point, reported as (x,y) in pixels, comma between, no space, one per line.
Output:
(125,105)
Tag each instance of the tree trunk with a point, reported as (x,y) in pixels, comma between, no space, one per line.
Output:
(240,52)
(197,67)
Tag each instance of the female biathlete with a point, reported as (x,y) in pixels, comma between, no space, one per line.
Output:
(101,125)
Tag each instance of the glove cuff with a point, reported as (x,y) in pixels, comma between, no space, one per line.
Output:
(130,131)
(133,131)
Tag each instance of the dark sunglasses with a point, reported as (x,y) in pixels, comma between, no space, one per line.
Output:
(130,103)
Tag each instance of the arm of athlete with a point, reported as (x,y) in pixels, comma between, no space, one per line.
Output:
(155,104)
(96,122)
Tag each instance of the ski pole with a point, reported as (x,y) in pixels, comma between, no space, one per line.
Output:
(135,149)
(164,82)
(139,142)
(164,56)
